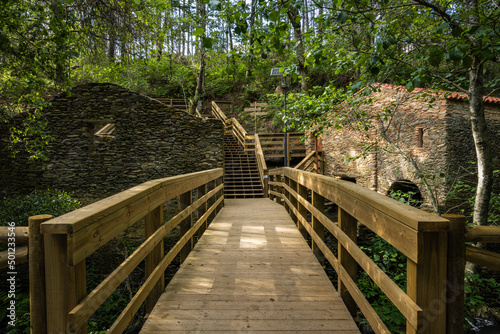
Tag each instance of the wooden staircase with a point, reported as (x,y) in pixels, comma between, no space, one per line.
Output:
(241,174)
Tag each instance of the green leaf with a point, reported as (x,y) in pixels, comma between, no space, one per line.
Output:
(208,42)
(467,62)
(356,41)
(198,32)
(274,16)
(342,18)
(284,10)
(442,26)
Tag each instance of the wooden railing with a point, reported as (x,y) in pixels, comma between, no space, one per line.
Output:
(421,236)
(71,238)
(261,164)
(13,236)
(313,162)
(483,257)
(174,103)
(273,145)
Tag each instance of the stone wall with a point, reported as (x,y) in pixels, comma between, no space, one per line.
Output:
(436,134)
(149,141)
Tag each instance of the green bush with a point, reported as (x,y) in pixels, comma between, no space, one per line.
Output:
(18,209)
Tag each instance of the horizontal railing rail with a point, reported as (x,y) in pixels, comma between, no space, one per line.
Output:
(174,103)
(483,257)
(73,237)
(419,235)
(261,164)
(313,162)
(13,236)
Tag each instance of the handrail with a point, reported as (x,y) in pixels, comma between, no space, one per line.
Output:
(483,257)
(71,238)
(261,164)
(419,235)
(218,113)
(313,162)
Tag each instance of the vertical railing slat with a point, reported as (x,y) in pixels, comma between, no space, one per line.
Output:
(349,225)
(152,222)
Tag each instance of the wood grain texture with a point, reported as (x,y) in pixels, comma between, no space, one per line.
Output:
(250,272)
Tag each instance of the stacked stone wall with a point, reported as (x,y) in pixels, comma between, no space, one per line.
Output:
(149,141)
(436,134)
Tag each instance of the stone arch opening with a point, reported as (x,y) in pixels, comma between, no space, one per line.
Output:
(348,179)
(406,191)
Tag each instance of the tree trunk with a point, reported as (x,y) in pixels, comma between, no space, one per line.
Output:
(479,127)
(293,14)
(250,38)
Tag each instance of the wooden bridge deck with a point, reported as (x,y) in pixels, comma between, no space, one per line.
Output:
(251,272)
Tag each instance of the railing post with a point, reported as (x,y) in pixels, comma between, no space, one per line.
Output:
(38,313)
(201,191)
(426,283)
(279,190)
(152,222)
(293,185)
(185,201)
(220,194)
(211,201)
(266,184)
(302,191)
(455,275)
(349,226)
(65,285)
(271,187)
(318,202)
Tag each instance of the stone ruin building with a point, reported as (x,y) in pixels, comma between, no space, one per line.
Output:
(437,134)
(108,139)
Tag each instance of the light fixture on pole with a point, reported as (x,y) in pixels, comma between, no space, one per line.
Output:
(280,71)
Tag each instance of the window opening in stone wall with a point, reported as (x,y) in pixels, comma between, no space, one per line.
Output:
(106,131)
(420,137)
(407,192)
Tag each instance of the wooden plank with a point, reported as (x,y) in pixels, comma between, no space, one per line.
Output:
(152,222)
(487,234)
(107,225)
(38,312)
(133,306)
(93,213)
(426,283)
(349,225)
(185,201)
(21,234)
(483,257)
(262,113)
(455,274)
(244,275)
(82,312)
(402,301)
(253,109)
(372,317)
(21,256)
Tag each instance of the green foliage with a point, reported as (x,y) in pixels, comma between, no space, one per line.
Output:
(22,322)
(393,263)
(18,209)
(166,77)
(479,291)
(407,197)
(463,195)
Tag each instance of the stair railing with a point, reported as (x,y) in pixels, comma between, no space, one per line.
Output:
(313,162)
(261,164)
(73,237)
(431,302)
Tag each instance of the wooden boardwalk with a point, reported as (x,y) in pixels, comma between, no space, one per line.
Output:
(251,272)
